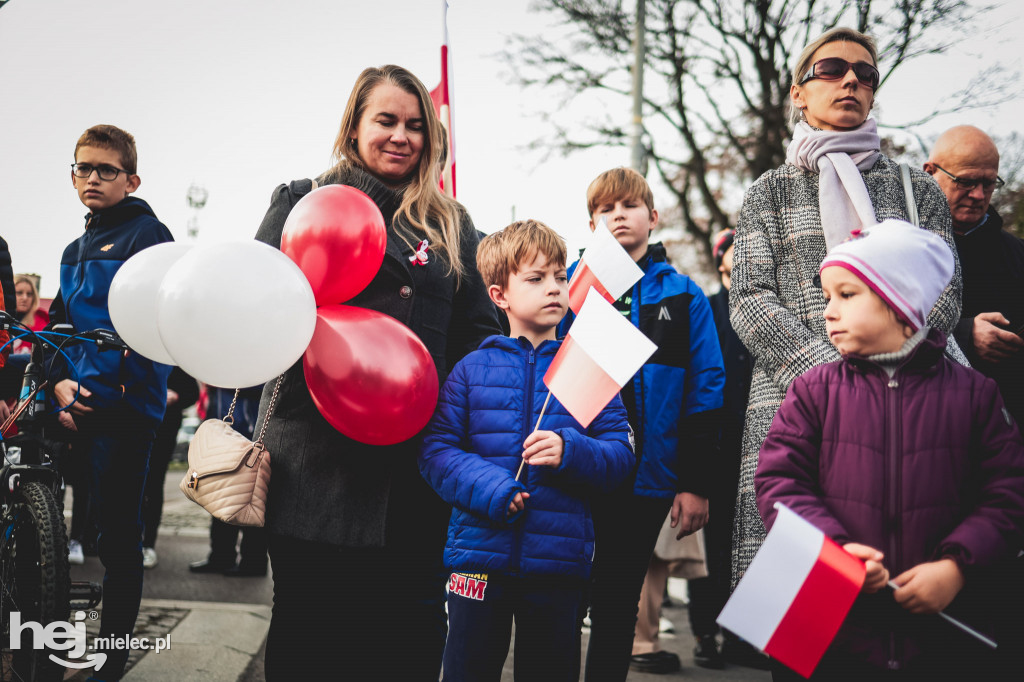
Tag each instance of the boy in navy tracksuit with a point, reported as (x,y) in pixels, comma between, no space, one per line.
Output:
(519,549)
(673,404)
(121,398)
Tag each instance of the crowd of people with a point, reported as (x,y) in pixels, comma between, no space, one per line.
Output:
(861,363)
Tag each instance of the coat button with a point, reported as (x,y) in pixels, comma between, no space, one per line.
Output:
(405,292)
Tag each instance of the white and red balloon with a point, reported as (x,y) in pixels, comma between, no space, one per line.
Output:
(235,314)
(369,375)
(133,298)
(336,235)
(238,314)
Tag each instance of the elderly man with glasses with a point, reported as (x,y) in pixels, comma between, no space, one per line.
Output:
(965,163)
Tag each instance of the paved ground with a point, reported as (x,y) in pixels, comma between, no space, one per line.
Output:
(217,625)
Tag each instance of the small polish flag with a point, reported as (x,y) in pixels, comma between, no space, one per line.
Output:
(605,266)
(601,352)
(795,594)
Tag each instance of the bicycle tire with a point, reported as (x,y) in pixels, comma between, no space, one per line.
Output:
(34,580)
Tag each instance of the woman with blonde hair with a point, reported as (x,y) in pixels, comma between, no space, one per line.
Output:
(28,312)
(835,180)
(355,534)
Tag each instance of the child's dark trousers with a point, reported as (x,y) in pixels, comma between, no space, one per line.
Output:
(481,610)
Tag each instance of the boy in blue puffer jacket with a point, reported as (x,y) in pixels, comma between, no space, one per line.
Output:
(519,549)
(674,404)
(122,397)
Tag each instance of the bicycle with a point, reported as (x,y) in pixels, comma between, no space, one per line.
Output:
(34,573)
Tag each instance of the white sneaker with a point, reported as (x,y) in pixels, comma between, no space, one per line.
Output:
(148,557)
(75,554)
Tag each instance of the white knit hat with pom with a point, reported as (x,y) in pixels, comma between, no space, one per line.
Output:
(907,266)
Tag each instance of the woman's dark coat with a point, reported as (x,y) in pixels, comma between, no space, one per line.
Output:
(324,486)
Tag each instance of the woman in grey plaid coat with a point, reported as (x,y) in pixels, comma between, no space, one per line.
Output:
(791,216)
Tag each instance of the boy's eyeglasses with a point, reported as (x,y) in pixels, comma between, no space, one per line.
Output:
(107,173)
(834,68)
(968,184)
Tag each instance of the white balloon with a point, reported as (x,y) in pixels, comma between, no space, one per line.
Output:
(132,300)
(235,314)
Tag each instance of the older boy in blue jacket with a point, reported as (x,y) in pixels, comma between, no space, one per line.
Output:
(673,403)
(519,549)
(116,400)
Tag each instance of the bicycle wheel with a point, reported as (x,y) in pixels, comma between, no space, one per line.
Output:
(34,580)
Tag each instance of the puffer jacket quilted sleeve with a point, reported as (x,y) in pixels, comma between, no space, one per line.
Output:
(788,468)
(996,522)
(463,478)
(598,458)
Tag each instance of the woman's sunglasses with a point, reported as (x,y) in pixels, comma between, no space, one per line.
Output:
(834,68)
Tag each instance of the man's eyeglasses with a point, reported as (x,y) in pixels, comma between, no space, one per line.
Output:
(107,173)
(968,184)
(834,68)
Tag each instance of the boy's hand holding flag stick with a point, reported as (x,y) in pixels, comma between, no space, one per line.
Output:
(601,352)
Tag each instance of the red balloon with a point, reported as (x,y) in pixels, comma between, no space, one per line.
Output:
(336,235)
(369,375)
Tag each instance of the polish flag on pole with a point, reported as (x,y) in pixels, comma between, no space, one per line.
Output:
(601,352)
(605,266)
(441,96)
(795,594)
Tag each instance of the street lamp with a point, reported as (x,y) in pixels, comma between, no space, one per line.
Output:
(196,197)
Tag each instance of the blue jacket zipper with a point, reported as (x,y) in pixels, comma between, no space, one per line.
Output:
(86,245)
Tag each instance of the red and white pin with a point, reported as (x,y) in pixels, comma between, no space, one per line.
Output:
(420,255)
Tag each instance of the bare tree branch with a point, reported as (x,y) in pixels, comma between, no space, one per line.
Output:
(717,85)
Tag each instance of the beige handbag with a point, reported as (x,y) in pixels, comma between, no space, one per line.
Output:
(228,475)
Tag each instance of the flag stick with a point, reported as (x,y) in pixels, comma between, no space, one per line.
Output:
(545,406)
(963,626)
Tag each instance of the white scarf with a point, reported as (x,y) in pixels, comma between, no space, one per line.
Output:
(838,157)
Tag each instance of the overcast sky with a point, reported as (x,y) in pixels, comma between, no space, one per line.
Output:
(239,96)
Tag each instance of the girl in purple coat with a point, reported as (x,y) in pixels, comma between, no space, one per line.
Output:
(907,459)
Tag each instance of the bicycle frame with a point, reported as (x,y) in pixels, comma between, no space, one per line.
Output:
(35,462)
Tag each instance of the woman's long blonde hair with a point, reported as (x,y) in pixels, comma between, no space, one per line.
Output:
(423,204)
(30,315)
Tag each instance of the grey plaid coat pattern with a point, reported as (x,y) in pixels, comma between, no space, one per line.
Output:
(777,308)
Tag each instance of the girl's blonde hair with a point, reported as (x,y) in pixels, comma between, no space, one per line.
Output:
(423,204)
(30,315)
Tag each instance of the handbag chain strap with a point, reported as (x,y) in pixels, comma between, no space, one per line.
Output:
(228,419)
(270,410)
